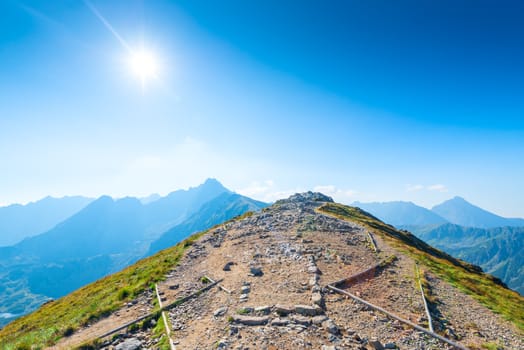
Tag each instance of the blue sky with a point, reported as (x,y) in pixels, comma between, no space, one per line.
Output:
(365,100)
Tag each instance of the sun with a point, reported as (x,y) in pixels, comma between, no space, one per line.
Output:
(144,65)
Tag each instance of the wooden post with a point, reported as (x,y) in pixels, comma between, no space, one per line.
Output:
(417,327)
(164,318)
(372,241)
(164,308)
(428,314)
(219,286)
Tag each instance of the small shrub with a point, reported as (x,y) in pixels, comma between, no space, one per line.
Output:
(491,346)
(148,322)
(133,328)
(123,293)
(68,331)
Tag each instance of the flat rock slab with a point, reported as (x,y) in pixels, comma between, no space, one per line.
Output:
(307,310)
(302,320)
(220,311)
(317,320)
(284,309)
(263,309)
(251,320)
(279,322)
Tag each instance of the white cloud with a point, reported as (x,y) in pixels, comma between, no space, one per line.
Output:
(338,194)
(435,188)
(438,187)
(257,189)
(327,189)
(266,191)
(414,188)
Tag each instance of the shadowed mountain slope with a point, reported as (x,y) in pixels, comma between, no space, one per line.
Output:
(20,221)
(402,213)
(220,209)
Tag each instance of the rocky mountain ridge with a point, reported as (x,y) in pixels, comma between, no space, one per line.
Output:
(456,211)
(268,280)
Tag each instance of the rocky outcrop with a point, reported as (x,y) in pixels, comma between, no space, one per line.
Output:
(274,268)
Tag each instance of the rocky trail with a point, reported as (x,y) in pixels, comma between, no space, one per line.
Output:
(272,273)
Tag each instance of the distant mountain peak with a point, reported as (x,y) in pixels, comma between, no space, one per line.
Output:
(400,213)
(214,184)
(103,199)
(212,181)
(307,197)
(458,199)
(459,211)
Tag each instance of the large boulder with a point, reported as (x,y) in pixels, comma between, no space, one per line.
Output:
(129,344)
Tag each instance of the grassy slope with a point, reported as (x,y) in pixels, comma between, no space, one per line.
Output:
(96,300)
(488,290)
(52,321)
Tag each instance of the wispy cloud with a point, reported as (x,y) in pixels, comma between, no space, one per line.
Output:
(438,188)
(418,188)
(257,188)
(338,193)
(267,191)
(414,188)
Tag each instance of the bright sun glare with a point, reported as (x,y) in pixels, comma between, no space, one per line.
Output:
(144,65)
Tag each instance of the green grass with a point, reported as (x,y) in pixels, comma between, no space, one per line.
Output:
(468,278)
(243,311)
(159,332)
(491,346)
(86,305)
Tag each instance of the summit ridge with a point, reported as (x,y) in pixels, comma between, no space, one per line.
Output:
(266,281)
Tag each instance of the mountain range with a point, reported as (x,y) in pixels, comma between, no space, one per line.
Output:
(455,211)
(104,237)
(464,231)
(20,221)
(303,273)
